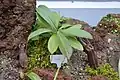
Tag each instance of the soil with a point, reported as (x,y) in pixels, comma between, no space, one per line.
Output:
(16,19)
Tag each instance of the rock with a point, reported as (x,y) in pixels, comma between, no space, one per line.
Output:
(108,24)
(15,23)
(77,65)
(109,28)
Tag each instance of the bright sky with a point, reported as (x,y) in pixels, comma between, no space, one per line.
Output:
(69,4)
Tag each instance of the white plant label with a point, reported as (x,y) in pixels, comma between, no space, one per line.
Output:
(58,59)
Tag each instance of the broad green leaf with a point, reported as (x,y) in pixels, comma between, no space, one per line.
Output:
(45,13)
(77,25)
(75,43)
(64,26)
(33,76)
(55,17)
(35,38)
(53,43)
(64,45)
(76,31)
(38,32)
(41,21)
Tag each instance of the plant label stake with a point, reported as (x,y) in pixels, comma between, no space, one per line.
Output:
(58,59)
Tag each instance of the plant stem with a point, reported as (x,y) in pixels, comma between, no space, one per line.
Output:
(56,74)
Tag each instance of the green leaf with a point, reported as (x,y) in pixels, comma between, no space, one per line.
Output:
(55,17)
(64,26)
(77,26)
(76,31)
(45,13)
(75,43)
(64,45)
(33,76)
(38,32)
(35,38)
(53,43)
(41,21)
(48,16)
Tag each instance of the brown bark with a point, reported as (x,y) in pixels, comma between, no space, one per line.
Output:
(91,54)
(16,19)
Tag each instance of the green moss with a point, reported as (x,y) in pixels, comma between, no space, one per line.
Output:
(112,19)
(38,54)
(104,70)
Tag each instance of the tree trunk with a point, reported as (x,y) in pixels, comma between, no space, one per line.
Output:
(16,19)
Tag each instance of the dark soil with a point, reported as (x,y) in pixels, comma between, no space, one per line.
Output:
(16,19)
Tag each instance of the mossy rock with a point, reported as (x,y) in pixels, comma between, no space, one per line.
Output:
(109,24)
(103,70)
